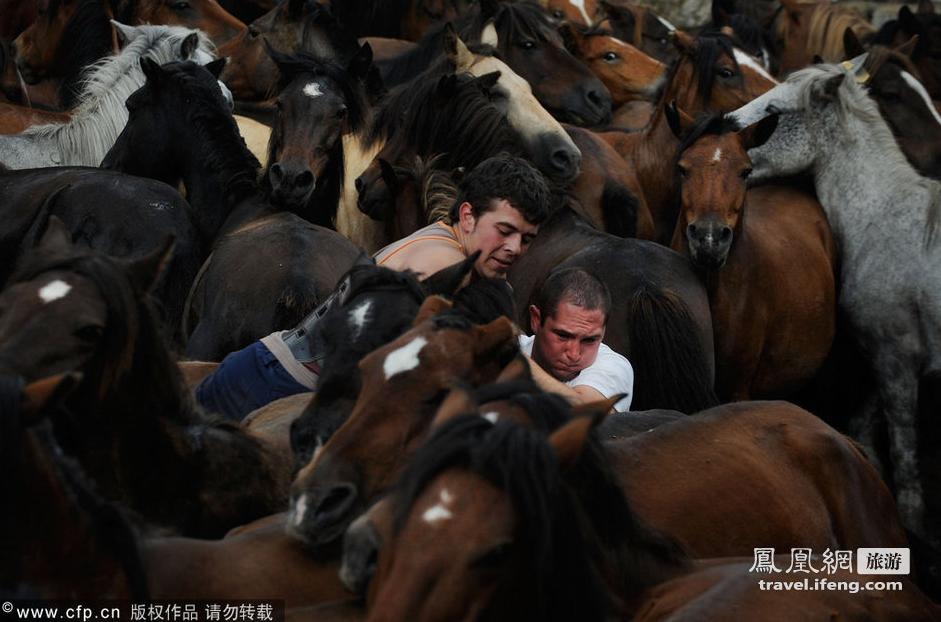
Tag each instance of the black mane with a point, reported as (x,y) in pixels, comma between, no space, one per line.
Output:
(715,124)
(85,39)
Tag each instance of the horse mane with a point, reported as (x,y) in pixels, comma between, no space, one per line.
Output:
(101,113)
(880,55)
(715,124)
(553,507)
(854,102)
(437,190)
(485,300)
(463,124)
(710,47)
(749,33)
(825,30)
(214,125)
(519,20)
(85,39)
(132,335)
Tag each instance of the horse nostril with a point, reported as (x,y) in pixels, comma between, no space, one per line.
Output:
(276,173)
(725,233)
(304,180)
(334,505)
(360,185)
(594,97)
(692,230)
(562,159)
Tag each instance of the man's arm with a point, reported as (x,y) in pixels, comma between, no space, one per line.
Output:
(576,396)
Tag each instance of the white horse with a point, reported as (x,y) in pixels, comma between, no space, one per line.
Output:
(101,115)
(885,216)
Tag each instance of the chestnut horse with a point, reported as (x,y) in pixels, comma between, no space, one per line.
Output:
(641,27)
(803,29)
(583,13)
(773,304)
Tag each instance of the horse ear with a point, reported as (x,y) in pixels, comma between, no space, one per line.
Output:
(458,402)
(757,134)
(925,7)
(568,442)
(675,120)
(571,37)
(361,61)
(56,238)
(124,32)
(488,80)
(908,21)
(492,337)
(851,44)
(40,396)
(433,305)
(216,67)
(517,369)
(189,46)
(459,57)
(147,269)
(829,90)
(447,281)
(908,48)
(684,42)
(151,70)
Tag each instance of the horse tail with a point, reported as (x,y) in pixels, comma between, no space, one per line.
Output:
(619,208)
(670,367)
(298,298)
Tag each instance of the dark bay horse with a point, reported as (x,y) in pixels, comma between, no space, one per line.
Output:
(130,423)
(641,27)
(527,41)
(60,539)
(773,304)
(117,214)
(926,24)
(219,175)
(206,15)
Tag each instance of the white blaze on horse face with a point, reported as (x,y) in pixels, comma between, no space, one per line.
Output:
(668,25)
(580,5)
(439,511)
(919,88)
(300,509)
(745,60)
(489,36)
(54,290)
(403,359)
(717,156)
(491,416)
(313,90)
(358,318)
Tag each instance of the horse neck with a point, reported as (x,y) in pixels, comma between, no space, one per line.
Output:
(350,221)
(86,38)
(322,208)
(653,158)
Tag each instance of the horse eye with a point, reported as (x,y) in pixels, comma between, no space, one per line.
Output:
(90,333)
(180,6)
(558,14)
(746,173)
(725,72)
(252,32)
(682,171)
(494,558)
(610,56)
(772,109)
(663,41)
(527,45)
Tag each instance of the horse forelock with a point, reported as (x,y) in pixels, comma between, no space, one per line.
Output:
(353,91)
(709,49)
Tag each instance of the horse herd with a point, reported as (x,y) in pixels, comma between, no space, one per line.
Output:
(176,185)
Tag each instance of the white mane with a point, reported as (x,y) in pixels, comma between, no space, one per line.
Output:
(101,114)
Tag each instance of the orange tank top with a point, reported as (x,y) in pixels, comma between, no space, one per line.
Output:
(437,231)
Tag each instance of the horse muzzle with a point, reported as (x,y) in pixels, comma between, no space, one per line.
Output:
(319,516)
(709,243)
(291,186)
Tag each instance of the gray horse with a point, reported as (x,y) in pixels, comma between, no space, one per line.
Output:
(101,115)
(885,217)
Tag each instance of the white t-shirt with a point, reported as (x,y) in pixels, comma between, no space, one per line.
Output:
(610,374)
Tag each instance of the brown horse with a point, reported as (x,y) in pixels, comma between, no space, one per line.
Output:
(131,422)
(59,538)
(926,24)
(206,15)
(641,27)
(706,76)
(894,83)
(14,119)
(475,503)
(584,13)
(773,304)
(803,29)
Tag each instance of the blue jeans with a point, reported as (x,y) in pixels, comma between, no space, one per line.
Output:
(246,380)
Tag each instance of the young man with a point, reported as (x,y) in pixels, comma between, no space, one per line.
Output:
(500,205)
(568,323)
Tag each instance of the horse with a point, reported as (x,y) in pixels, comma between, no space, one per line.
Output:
(219,175)
(15,118)
(611,504)
(207,16)
(926,24)
(64,39)
(876,203)
(892,81)
(527,41)
(130,422)
(319,103)
(584,13)
(802,29)
(773,305)
(641,27)
(61,539)
(397,19)
(551,148)
(290,27)
(101,114)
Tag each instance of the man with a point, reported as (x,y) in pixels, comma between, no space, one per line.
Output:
(568,323)
(499,207)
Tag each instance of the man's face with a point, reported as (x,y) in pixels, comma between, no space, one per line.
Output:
(501,234)
(568,341)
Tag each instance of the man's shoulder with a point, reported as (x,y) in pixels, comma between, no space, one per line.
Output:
(426,256)
(609,362)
